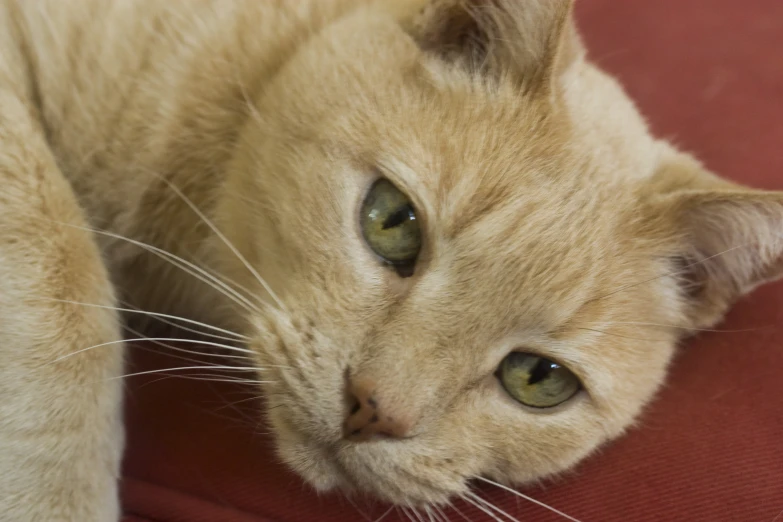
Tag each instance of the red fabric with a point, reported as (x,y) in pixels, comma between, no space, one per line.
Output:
(708,74)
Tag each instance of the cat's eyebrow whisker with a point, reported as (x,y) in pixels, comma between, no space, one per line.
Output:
(159,316)
(140,339)
(490,505)
(612,334)
(673,272)
(525,497)
(680,327)
(186,266)
(222,237)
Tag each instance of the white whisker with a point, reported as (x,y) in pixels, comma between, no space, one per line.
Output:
(482,508)
(182,350)
(140,339)
(622,336)
(491,506)
(441,512)
(175,260)
(237,336)
(223,238)
(379,519)
(529,499)
(241,401)
(183,368)
(206,377)
(679,327)
(673,272)
(418,515)
(460,513)
(178,326)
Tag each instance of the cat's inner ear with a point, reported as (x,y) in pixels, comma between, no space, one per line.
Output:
(729,240)
(532,41)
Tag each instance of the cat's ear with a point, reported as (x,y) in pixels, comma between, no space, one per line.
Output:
(533,41)
(729,237)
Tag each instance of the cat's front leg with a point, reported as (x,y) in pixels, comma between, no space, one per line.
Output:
(60,401)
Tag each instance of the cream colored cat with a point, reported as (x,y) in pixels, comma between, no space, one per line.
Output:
(448,239)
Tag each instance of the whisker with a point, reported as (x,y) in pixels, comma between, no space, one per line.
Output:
(379,519)
(418,515)
(442,513)
(182,368)
(612,334)
(181,350)
(241,401)
(205,377)
(200,333)
(491,506)
(672,273)
(460,513)
(222,237)
(482,508)
(529,499)
(353,505)
(178,262)
(140,339)
(160,316)
(717,330)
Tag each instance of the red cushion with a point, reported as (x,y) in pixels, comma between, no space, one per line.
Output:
(710,75)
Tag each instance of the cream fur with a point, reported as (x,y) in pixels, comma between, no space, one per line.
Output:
(553,222)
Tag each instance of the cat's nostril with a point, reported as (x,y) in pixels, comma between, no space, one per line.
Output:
(367,419)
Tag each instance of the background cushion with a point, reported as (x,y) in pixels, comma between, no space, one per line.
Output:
(709,74)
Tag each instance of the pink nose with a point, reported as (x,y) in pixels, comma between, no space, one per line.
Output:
(367,419)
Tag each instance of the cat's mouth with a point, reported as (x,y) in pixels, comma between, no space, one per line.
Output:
(346,467)
(314,462)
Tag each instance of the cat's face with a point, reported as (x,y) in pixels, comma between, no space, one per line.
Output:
(472,265)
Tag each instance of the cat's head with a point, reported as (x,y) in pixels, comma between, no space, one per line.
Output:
(483,259)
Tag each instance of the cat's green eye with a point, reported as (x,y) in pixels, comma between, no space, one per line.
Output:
(537,382)
(389,224)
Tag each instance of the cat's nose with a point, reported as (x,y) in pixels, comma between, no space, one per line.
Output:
(369,418)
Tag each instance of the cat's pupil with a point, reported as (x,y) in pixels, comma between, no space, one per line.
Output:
(399,216)
(541,371)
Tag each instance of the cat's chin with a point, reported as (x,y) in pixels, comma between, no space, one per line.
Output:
(351,470)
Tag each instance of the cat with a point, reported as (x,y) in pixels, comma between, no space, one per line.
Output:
(445,237)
